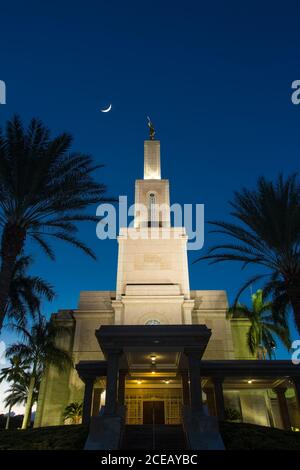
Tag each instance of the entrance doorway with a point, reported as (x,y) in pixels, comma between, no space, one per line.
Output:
(153,412)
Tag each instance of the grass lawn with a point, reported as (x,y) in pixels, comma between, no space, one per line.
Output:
(246,436)
(235,436)
(49,438)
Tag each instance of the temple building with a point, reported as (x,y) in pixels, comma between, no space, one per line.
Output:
(155,352)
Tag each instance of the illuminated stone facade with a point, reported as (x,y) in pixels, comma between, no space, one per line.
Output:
(152,288)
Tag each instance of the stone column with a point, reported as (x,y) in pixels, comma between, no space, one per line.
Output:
(195,380)
(187,308)
(96,401)
(87,399)
(283,407)
(118,309)
(185,388)
(219,397)
(210,400)
(112,382)
(296,381)
(121,389)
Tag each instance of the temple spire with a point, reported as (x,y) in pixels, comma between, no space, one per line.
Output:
(151,155)
(152,160)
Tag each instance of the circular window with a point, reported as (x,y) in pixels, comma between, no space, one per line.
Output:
(152,322)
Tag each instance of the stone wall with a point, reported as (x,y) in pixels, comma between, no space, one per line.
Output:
(210,309)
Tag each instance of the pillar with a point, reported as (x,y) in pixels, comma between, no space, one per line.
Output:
(219,397)
(96,401)
(210,400)
(121,388)
(296,381)
(185,388)
(195,380)
(87,399)
(112,382)
(283,407)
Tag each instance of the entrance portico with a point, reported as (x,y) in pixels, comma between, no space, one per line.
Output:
(152,352)
(177,350)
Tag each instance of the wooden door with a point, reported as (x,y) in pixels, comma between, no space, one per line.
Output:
(153,412)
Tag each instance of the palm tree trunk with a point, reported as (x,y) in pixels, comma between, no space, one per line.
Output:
(13,239)
(8,417)
(28,406)
(295,301)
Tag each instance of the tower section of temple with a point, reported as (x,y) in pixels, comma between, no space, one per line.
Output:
(152,277)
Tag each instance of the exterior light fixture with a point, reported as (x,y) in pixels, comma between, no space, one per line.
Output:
(139,382)
(153,358)
(153,366)
(167,381)
(250,381)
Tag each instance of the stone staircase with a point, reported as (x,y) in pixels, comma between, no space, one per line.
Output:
(163,437)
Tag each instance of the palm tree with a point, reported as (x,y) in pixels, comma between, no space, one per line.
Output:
(44,191)
(13,373)
(25,295)
(18,393)
(73,412)
(26,292)
(263,326)
(267,233)
(39,349)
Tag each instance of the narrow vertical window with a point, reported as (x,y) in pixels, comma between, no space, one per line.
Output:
(152,210)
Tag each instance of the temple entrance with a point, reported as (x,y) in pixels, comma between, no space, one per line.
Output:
(153,412)
(138,396)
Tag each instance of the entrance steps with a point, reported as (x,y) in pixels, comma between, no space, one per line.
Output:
(163,437)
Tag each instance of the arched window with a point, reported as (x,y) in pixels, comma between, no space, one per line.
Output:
(152,322)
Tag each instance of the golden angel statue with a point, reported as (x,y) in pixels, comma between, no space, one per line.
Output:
(152,131)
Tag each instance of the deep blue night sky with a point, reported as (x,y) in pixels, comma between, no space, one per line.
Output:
(215,77)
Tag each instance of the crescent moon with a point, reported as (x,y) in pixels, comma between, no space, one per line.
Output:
(106,110)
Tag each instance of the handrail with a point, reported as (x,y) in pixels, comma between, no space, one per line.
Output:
(122,412)
(153,426)
(185,433)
